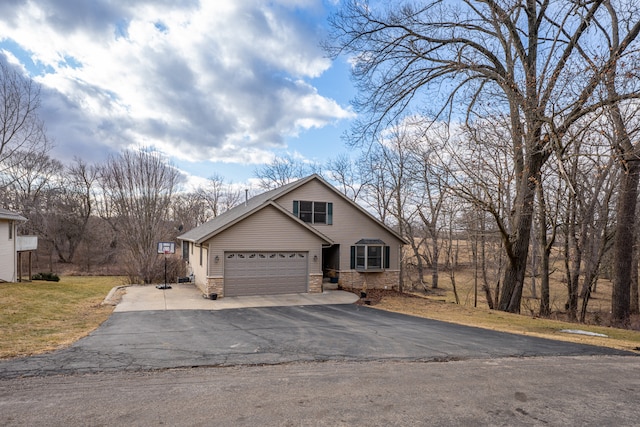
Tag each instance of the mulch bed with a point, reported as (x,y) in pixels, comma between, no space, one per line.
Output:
(374,296)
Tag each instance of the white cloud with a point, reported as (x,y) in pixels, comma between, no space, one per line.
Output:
(222,81)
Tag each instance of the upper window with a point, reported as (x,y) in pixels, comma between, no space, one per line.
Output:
(10,230)
(313,212)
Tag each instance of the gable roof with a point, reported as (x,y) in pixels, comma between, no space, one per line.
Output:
(292,186)
(11,216)
(220,223)
(233,216)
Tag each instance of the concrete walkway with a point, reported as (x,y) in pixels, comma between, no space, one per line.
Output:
(185,296)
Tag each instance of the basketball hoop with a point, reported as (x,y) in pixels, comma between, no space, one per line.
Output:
(166,248)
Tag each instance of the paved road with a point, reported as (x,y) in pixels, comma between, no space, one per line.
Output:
(138,341)
(540,391)
(255,369)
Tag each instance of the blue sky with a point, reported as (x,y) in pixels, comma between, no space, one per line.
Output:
(217,86)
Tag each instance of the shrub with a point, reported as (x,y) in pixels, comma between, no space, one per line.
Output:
(50,277)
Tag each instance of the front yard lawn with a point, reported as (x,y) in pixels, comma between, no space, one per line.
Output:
(42,316)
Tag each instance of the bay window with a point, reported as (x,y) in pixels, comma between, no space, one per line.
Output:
(370,254)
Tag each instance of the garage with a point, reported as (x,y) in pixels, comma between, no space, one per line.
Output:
(265,273)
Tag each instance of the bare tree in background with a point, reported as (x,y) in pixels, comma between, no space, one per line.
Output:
(137,187)
(282,171)
(621,77)
(21,129)
(588,179)
(346,175)
(482,178)
(34,189)
(74,209)
(218,196)
(523,59)
(188,211)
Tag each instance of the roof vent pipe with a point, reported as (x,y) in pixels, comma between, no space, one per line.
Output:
(246,196)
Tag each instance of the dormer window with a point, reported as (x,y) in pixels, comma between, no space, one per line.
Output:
(313,212)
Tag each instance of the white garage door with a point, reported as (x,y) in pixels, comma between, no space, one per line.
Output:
(265,273)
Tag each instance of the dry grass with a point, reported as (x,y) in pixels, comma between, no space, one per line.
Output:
(473,309)
(42,316)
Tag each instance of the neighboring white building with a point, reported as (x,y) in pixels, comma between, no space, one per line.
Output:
(9,245)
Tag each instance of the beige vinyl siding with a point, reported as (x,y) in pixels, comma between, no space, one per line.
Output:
(349,223)
(199,271)
(7,253)
(266,230)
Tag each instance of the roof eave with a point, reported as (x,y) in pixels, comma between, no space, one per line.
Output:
(250,212)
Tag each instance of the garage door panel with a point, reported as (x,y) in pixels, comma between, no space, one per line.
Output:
(265,273)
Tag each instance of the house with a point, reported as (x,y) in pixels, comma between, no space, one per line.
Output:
(288,239)
(9,245)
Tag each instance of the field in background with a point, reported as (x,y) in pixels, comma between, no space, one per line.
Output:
(471,295)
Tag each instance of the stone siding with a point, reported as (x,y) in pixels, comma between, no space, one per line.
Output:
(315,283)
(352,279)
(215,285)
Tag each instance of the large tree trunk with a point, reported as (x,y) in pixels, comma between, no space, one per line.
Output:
(545,248)
(518,246)
(434,262)
(623,244)
(635,309)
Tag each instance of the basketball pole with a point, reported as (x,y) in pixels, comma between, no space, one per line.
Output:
(165,286)
(165,248)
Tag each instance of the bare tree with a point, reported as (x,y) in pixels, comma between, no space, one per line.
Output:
(431,191)
(74,209)
(218,196)
(188,210)
(621,78)
(281,171)
(588,181)
(21,129)
(523,59)
(482,178)
(389,162)
(346,175)
(34,189)
(546,234)
(137,187)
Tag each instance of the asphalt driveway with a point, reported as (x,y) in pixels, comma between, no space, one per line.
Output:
(141,340)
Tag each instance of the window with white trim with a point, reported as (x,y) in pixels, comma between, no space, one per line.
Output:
(370,254)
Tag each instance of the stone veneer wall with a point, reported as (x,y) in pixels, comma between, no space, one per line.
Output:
(356,280)
(315,283)
(215,285)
